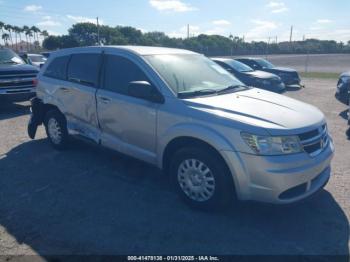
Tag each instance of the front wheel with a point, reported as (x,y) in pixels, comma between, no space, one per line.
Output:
(202,178)
(56,129)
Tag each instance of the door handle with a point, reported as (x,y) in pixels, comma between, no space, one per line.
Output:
(104,99)
(65,89)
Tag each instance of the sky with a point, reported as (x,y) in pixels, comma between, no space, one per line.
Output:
(254,19)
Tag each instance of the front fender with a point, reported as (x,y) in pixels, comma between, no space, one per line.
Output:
(197,131)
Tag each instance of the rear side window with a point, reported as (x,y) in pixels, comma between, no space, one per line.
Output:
(227,67)
(58,68)
(119,72)
(84,69)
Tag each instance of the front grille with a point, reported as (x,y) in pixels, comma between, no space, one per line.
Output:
(315,141)
(10,81)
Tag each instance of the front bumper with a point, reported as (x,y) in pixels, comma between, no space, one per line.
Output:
(17,95)
(343,92)
(292,81)
(279,179)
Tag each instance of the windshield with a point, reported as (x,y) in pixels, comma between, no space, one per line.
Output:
(37,58)
(186,73)
(238,66)
(264,63)
(7,56)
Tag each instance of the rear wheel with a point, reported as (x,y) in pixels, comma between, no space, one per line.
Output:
(56,129)
(202,178)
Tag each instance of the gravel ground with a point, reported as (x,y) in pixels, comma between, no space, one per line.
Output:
(89,200)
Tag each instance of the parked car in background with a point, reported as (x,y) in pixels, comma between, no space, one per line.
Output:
(251,77)
(289,76)
(180,111)
(37,59)
(46,54)
(343,88)
(17,79)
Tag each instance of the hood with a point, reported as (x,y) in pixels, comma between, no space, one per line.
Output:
(22,68)
(281,69)
(345,74)
(261,74)
(278,114)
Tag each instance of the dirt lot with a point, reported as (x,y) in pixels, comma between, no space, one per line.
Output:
(92,201)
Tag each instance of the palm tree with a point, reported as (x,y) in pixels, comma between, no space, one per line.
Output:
(16,30)
(2,24)
(5,37)
(29,33)
(35,30)
(9,29)
(25,30)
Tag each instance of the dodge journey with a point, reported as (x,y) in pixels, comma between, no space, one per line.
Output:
(215,137)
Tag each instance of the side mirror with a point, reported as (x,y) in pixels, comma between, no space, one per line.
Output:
(144,90)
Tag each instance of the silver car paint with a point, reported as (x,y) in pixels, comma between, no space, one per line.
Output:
(143,129)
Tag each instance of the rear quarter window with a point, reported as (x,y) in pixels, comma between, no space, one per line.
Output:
(84,69)
(57,68)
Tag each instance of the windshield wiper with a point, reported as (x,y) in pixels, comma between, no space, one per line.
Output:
(8,62)
(197,93)
(230,88)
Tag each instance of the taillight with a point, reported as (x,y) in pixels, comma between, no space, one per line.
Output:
(35,82)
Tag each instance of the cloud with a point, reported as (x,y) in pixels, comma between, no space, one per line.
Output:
(171,5)
(340,34)
(216,31)
(324,21)
(48,22)
(83,19)
(261,30)
(277,7)
(53,32)
(182,32)
(33,8)
(221,22)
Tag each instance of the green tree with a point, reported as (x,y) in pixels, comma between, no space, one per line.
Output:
(84,33)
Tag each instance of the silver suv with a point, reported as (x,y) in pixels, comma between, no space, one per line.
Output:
(183,113)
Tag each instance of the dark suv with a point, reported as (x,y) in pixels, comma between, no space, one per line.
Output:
(17,79)
(289,76)
(343,88)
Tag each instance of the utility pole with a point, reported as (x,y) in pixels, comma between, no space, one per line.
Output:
(98,31)
(267,47)
(291,34)
(188,31)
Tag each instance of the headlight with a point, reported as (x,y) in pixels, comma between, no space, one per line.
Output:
(272,145)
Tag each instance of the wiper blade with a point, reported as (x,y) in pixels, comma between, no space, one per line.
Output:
(8,62)
(230,88)
(197,93)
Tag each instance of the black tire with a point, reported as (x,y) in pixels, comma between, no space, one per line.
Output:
(224,193)
(58,117)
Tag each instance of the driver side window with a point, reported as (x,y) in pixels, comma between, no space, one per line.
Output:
(119,72)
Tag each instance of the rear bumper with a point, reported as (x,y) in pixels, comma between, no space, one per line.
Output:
(279,179)
(17,95)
